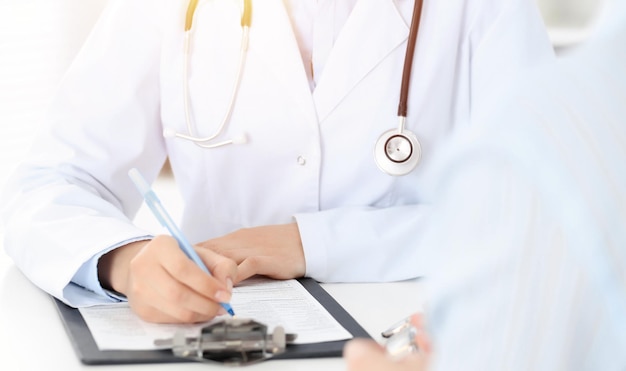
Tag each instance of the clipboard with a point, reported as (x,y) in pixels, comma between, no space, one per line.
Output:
(87,351)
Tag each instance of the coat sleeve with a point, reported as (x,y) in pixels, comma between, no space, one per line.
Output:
(71,198)
(506,39)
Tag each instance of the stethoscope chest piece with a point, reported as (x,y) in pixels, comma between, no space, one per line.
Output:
(397,152)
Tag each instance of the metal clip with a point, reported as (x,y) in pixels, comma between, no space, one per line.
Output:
(232,342)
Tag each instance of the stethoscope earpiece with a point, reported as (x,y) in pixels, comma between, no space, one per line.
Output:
(169,133)
(397,152)
(241,139)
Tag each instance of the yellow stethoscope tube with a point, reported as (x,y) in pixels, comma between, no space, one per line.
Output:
(192,136)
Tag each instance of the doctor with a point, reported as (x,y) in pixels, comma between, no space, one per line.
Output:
(306,173)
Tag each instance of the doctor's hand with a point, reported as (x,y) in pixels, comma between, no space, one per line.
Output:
(274,251)
(163,285)
(367,355)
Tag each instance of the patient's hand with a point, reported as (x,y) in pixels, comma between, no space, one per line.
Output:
(367,355)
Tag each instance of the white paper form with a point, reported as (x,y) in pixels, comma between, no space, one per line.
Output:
(284,303)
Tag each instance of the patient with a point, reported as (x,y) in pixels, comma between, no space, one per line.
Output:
(535,275)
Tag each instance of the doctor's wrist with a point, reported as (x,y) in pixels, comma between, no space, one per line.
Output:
(113,267)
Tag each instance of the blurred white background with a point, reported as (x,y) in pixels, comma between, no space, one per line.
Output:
(39,38)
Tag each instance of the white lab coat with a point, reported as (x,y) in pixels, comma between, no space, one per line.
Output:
(309,156)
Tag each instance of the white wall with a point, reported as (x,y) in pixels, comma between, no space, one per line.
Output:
(38,39)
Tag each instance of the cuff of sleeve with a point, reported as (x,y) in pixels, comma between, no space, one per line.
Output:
(87,275)
(115,295)
(314,246)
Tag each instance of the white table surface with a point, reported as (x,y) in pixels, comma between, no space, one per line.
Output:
(32,336)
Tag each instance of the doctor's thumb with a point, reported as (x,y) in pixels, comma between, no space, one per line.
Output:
(222,268)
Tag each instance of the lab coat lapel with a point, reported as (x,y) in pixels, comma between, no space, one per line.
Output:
(274,41)
(374,29)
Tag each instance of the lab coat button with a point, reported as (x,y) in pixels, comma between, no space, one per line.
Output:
(301,161)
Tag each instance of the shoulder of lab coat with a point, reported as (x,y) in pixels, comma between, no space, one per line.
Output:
(64,204)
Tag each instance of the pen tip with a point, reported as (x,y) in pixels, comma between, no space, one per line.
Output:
(231,312)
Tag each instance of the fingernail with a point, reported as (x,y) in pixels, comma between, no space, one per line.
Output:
(229,284)
(221,312)
(222,296)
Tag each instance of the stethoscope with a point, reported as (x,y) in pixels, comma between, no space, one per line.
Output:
(205,142)
(396,152)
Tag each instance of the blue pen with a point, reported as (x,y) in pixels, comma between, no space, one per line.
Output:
(164,218)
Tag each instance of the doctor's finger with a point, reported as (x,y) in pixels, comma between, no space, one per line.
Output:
(177,301)
(150,313)
(163,314)
(187,278)
(151,306)
(164,268)
(186,271)
(267,266)
(222,268)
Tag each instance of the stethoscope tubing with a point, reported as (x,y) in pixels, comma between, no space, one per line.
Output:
(408,61)
(398,151)
(192,136)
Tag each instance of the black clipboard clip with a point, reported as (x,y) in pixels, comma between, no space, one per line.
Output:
(231,342)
